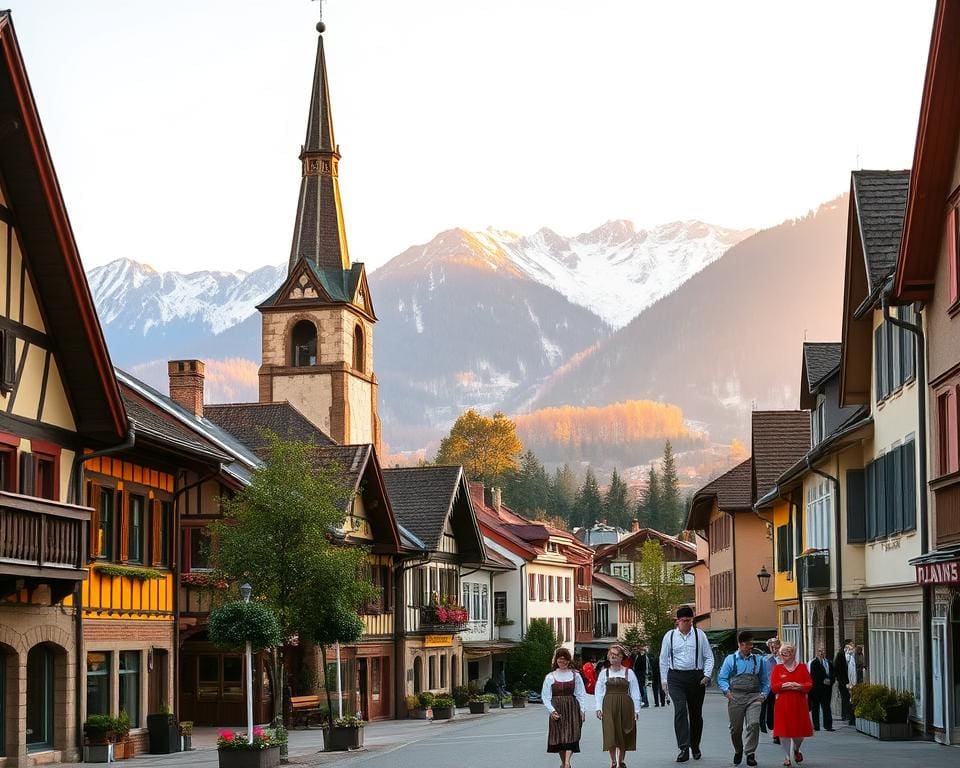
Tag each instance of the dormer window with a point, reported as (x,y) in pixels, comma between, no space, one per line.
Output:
(304,346)
(818,420)
(552,547)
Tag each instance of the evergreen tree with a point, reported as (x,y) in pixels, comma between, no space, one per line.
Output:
(563,494)
(528,491)
(589,504)
(650,504)
(671,502)
(615,505)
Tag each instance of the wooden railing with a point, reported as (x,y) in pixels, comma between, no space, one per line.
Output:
(41,534)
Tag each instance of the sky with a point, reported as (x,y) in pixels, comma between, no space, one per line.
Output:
(175,127)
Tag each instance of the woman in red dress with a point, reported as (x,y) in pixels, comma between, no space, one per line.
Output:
(790,681)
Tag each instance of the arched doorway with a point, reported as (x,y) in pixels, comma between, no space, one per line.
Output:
(40,698)
(828,633)
(417,675)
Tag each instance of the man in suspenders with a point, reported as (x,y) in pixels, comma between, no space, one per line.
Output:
(686,664)
(745,680)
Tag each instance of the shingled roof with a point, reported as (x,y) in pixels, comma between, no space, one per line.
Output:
(780,439)
(732,492)
(881,200)
(245,420)
(151,423)
(820,359)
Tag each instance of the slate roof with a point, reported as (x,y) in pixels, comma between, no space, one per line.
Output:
(881,200)
(732,490)
(421,498)
(780,439)
(165,429)
(244,420)
(820,359)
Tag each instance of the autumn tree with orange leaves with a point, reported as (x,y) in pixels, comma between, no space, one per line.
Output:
(486,447)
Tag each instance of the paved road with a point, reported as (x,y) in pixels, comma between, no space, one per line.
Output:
(517,738)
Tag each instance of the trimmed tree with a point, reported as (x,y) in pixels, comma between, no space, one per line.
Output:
(528,662)
(657,591)
(328,625)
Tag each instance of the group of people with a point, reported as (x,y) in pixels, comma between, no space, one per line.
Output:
(774,690)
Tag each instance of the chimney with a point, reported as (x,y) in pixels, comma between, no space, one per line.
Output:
(186,384)
(634,525)
(495,499)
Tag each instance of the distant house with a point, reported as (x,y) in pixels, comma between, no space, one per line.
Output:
(600,534)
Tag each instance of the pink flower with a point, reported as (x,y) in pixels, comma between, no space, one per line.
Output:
(226,735)
(258,731)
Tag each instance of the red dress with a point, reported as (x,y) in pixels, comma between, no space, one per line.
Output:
(589,677)
(791,716)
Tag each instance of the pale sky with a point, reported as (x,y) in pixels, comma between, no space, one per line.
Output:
(175,126)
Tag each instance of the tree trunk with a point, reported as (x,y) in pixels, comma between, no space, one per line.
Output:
(280,686)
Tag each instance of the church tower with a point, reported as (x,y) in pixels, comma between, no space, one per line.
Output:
(317,344)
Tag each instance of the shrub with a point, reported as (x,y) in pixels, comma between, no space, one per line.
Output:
(873,701)
(462,695)
(443,702)
(425,699)
(412,703)
(348,721)
(529,660)
(98,728)
(121,724)
(489,698)
(234,624)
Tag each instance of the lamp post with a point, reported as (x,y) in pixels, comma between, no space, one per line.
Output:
(245,591)
(764,578)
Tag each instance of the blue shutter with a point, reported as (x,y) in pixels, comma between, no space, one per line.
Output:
(880,485)
(871,489)
(856,517)
(878,363)
(896,506)
(892,495)
(909,459)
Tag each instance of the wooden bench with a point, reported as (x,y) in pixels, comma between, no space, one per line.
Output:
(302,708)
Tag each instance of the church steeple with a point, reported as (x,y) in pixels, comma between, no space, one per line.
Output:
(319,235)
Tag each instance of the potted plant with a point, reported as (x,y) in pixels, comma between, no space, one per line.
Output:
(423,704)
(480,703)
(519,698)
(123,747)
(882,712)
(344,734)
(186,735)
(235,751)
(462,695)
(443,708)
(98,732)
(164,734)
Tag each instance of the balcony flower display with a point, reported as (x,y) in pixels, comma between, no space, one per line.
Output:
(446,612)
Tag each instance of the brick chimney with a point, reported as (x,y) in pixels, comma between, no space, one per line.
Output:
(634,525)
(495,499)
(186,384)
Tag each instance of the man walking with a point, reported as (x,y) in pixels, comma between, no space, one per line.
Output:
(656,683)
(686,664)
(822,674)
(745,680)
(638,663)
(845,672)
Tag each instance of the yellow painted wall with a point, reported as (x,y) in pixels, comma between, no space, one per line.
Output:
(784,588)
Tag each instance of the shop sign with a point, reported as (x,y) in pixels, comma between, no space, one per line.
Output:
(437,641)
(939,573)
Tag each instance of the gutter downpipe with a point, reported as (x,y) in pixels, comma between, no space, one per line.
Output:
(926,613)
(838,540)
(74,494)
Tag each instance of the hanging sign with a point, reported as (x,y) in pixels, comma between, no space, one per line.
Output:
(939,573)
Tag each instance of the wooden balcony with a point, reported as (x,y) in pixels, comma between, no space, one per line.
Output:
(430,624)
(42,542)
(947,506)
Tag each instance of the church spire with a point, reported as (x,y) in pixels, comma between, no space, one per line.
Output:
(319,235)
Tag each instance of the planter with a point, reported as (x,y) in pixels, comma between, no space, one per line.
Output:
(443,713)
(249,758)
(885,731)
(417,714)
(98,753)
(342,739)
(120,750)
(164,734)
(519,703)
(479,707)
(186,743)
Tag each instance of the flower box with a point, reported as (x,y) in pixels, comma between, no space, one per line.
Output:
(479,707)
(98,753)
(885,731)
(519,702)
(418,714)
(250,757)
(443,713)
(342,738)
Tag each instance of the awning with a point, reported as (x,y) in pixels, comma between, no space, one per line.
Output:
(483,648)
(720,636)
(942,566)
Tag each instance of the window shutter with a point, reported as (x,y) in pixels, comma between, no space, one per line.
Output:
(782,548)
(891,492)
(26,474)
(897,500)
(891,356)
(952,255)
(871,488)
(880,485)
(856,502)
(878,363)
(909,457)
(156,535)
(123,514)
(8,361)
(94,501)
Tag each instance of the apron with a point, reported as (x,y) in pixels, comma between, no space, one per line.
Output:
(744,686)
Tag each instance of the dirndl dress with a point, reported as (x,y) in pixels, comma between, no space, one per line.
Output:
(619,716)
(563,735)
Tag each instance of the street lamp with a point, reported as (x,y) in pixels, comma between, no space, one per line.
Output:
(245,591)
(764,578)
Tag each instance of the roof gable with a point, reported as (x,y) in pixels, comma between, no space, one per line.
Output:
(732,492)
(676,551)
(246,421)
(880,198)
(779,439)
(820,359)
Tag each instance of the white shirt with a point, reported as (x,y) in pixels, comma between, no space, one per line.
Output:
(680,651)
(852,668)
(563,676)
(601,688)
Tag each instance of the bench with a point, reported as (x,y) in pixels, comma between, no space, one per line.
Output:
(302,708)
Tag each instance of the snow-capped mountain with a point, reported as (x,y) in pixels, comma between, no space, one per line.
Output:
(615,270)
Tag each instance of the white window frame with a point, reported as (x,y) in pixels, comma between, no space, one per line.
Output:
(895,654)
(819,515)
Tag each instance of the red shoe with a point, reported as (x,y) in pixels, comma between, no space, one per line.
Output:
(798,756)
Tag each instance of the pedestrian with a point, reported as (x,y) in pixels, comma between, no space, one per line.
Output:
(656,684)
(686,664)
(745,682)
(639,664)
(766,711)
(822,674)
(790,680)
(565,699)
(845,671)
(589,676)
(618,706)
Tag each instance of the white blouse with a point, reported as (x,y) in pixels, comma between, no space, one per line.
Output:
(601,688)
(561,676)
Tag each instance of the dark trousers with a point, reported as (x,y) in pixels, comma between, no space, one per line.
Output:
(820,702)
(687,695)
(641,681)
(659,699)
(846,707)
(766,713)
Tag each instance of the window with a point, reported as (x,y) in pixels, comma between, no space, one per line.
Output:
(129,685)
(890,486)
(552,581)
(784,549)
(304,346)
(721,590)
(432,672)
(720,533)
(476,610)
(101,499)
(818,420)
(499,606)
(443,670)
(532,586)
(98,683)
(465,600)
(552,547)
(135,529)
(163,511)
(895,652)
(196,549)
(8,463)
(45,477)
(541,587)
(953,254)
(819,514)
(40,724)
(568,589)
(358,349)
(948,457)
(622,571)
(484,603)
(894,354)
(568,627)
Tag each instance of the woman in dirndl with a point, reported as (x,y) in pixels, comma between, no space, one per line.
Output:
(565,699)
(618,706)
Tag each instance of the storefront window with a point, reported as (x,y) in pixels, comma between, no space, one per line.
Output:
(39,698)
(98,683)
(233,676)
(129,686)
